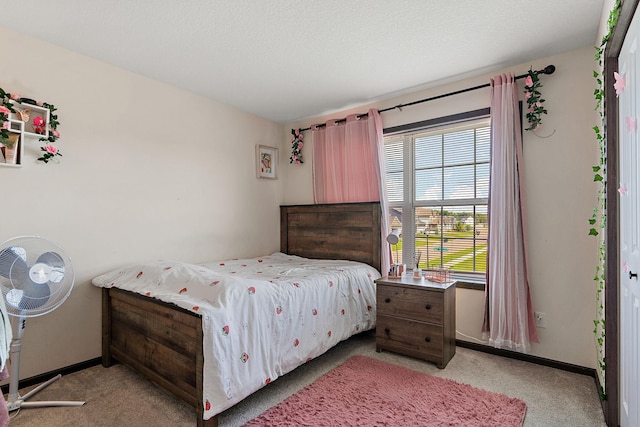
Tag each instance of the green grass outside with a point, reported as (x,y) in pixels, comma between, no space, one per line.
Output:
(450,256)
(467,265)
(422,241)
(434,257)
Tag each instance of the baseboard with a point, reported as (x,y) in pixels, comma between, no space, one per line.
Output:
(577,369)
(38,379)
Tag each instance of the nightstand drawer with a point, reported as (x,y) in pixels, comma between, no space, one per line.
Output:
(417,304)
(410,337)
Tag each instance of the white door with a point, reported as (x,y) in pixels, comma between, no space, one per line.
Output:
(629,152)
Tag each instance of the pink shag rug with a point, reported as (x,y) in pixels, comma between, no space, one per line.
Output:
(367,392)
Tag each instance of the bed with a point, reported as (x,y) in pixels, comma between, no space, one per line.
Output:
(164,341)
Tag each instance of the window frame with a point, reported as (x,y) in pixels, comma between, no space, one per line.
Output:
(469,280)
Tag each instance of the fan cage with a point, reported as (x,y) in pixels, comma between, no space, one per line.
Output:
(29,250)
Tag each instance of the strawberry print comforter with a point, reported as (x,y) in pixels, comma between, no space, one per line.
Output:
(263,316)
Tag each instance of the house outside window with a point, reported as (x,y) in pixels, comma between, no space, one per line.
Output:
(437,180)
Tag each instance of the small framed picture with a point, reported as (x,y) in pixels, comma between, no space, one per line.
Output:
(266,162)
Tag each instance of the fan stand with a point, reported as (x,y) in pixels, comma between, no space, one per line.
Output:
(14,400)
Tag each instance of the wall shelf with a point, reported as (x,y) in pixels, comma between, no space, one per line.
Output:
(22,129)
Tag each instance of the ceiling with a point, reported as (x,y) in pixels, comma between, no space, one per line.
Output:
(286,60)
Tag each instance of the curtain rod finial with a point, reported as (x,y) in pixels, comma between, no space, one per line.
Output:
(549,69)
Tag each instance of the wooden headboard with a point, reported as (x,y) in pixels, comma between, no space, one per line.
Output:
(332,231)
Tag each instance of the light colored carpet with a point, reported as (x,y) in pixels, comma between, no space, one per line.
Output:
(119,397)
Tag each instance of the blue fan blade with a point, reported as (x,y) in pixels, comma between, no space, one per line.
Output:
(12,265)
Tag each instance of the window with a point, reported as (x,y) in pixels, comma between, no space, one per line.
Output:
(437,179)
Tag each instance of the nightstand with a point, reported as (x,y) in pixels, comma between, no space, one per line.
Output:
(417,318)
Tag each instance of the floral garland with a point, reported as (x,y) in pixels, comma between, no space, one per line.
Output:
(296,149)
(534,100)
(39,125)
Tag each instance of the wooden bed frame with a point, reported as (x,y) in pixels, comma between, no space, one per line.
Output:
(164,342)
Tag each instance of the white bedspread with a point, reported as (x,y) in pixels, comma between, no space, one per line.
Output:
(262,317)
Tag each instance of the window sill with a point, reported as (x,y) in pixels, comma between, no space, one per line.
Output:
(469,283)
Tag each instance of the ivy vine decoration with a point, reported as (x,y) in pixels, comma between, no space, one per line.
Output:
(6,107)
(534,99)
(598,219)
(296,147)
(50,151)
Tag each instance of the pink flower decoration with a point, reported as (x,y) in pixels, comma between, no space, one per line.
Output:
(15,96)
(632,123)
(51,149)
(527,95)
(55,133)
(38,121)
(528,81)
(619,84)
(5,125)
(4,110)
(622,190)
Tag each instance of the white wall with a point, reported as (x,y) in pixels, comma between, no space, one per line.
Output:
(603,27)
(149,172)
(560,198)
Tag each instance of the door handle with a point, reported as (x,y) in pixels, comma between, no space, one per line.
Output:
(632,275)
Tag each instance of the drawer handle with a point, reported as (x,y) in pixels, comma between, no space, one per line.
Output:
(387,300)
(387,330)
(428,306)
(428,339)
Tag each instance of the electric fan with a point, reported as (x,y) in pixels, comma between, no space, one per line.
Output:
(36,277)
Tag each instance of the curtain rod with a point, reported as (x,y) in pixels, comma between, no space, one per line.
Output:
(549,69)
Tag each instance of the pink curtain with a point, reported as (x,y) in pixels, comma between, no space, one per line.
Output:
(348,165)
(509,320)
